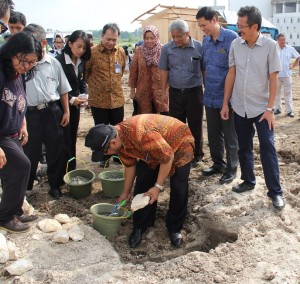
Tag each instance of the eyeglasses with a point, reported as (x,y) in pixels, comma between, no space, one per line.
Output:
(239,27)
(4,27)
(26,63)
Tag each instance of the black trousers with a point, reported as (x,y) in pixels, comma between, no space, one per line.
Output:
(14,176)
(43,126)
(108,116)
(187,106)
(222,135)
(70,132)
(145,179)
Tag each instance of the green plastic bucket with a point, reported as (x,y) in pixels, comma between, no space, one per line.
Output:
(82,189)
(112,183)
(107,226)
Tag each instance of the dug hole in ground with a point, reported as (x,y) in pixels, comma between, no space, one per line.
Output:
(228,237)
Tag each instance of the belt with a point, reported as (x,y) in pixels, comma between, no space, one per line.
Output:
(184,91)
(41,106)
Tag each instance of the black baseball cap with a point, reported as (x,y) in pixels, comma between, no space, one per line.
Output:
(98,139)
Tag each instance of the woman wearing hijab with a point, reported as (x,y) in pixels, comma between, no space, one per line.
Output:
(57,44)
(144,76)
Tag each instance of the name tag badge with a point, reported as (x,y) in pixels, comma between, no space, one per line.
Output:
(117,68)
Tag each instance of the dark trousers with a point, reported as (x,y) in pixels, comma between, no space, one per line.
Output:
(44,127)
(70,132)
(221,134)
(145,179)
(245,132)
(187,106)
(107,116)
(14,176)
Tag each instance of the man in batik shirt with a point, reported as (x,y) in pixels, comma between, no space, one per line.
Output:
(151,147)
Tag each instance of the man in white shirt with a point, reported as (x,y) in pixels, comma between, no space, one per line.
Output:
(284,77)
(47,115)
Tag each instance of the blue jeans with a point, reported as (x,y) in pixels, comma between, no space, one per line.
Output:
(245,131)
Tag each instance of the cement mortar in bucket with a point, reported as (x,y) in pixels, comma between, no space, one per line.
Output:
(112,183)
(106,225)
(79,181)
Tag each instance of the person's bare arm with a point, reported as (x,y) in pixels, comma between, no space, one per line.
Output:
(130,173)
(229,82)
(269,115)
(66,115)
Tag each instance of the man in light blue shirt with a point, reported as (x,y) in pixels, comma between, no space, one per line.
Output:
(287,53)
(221,133)
(47,114)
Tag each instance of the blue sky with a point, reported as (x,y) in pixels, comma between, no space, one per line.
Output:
(94,14)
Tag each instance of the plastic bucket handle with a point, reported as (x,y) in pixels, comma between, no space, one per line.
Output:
(78,160)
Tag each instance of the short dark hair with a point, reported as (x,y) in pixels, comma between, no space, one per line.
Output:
(20,43)
(72,38)
(207,13)
(36,30)
(17,17)
(280,35)
(253,15)
(4,6)
(111,26)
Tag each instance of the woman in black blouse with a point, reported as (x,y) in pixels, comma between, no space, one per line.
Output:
(73,57)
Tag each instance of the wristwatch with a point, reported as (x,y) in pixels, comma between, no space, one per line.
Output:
(270,109)
(160,187)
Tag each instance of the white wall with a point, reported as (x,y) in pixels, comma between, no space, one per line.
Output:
(264,6)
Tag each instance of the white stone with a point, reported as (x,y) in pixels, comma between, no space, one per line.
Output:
(76,234)
(61,236)
(27,208)
(49,225)
(62,218)
(139,201)
(12,249)
(19,267)
(4,253)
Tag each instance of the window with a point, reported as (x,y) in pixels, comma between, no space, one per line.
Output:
(279,8)
(291,36)
(291,7)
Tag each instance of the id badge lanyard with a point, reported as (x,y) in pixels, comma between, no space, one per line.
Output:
(117,64)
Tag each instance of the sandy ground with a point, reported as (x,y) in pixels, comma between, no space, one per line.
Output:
(229,237)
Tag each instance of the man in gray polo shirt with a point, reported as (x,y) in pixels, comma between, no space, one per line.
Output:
(181,66)
(251,83)
(47,114)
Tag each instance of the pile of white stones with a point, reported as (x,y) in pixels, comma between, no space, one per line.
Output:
(63,229)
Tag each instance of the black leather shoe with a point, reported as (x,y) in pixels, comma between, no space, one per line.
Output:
(242,187)
(278,201)
(136,237)
(211,171)
(227,178)
(176,239)
(55,193)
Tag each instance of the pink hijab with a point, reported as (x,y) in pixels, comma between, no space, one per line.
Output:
(151,55)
